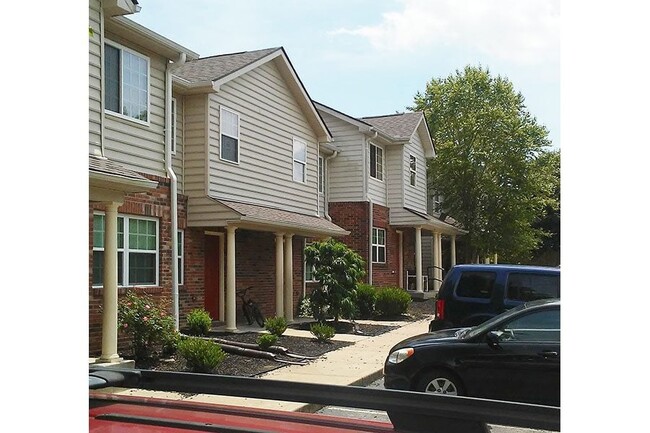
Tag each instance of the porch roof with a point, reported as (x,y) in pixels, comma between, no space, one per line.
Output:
(257,217)
(109,177)
(406,217)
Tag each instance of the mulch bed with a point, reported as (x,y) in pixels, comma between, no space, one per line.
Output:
(236,365)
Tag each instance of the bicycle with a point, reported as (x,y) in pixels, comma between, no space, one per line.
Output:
(250,308)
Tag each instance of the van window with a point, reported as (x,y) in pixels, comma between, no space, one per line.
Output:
(476,285)
(528,287)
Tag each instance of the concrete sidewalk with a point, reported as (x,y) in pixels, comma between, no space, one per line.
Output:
(357,364)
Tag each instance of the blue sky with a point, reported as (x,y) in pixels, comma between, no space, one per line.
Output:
(370,57)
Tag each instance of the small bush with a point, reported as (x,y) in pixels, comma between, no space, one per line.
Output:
(322,332)
(201,356)
(266,340)
(199,322)
(170,344)
(366,300)
(392,301)
(276,325)
(145,322)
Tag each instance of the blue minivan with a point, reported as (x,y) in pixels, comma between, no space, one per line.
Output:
(471,294)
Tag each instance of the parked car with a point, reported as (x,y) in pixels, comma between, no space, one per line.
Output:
(471,294)
(514,356)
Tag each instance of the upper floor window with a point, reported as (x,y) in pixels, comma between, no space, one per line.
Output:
(126,82)
(413,165)
(378,245)
(321,174)
(173,131)
(299,160)
(376,162)
(229,135)
(436,202)
(137,250)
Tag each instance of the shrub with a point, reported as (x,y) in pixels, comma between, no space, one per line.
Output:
(170,343)
(145,323)
(266,340)
(366,299)
(322,332)
(201,356)
(199,322)
(392,301)
(276,325)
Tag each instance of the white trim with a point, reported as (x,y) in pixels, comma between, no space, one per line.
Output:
(119,114)
(221,110)
(413,173)
(304,163)
(377,245)
(381,173)
(125,250)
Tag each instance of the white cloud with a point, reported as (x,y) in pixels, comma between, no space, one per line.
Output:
(521,31)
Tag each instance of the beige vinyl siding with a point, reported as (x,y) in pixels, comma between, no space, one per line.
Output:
(427,252)
(321,195)
(346,171)
(138,146)
(376,188)
(269,119)
(194,151)
(94,77)
(415,197)
(395,176)
(177,159)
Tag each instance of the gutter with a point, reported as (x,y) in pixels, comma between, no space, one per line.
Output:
(173,185)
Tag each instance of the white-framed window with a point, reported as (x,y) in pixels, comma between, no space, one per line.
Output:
(321,174)
(299,160)
(126,75)
(181,256)
(137,250)
(309,270)
(436,199)
(173,131)
(229,135)
(376,162)
(378,245)
(413,166)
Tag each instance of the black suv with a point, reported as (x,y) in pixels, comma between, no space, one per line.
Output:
(471,294)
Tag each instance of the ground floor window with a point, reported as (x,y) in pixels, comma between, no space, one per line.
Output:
(137,250)
(309,270)
(378,245)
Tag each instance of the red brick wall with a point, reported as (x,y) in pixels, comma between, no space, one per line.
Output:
(155,203)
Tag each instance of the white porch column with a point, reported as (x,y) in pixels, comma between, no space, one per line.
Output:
(288,277)
(453,250)
(436,261)
(109,291)
(495,258)
(418,259)
(231,300)
(222,277)
(279,274)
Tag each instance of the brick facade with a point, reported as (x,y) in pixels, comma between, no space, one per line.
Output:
(353,216)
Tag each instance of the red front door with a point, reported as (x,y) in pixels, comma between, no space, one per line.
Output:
(211,276)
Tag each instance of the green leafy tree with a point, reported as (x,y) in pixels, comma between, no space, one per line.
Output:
(338,269)
(548,252)
(488,166)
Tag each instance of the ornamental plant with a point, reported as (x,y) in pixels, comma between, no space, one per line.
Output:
(201,356)
(146,323)
(322,332)
(266,340)
(276,325)
(392,301)
(338,269)
(199,322)
(366,299)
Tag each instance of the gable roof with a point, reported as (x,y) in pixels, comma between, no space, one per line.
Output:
(399,126)
(217,67)
(210,73)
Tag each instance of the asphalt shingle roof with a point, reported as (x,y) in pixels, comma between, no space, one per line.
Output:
(216,67)
(106,166)
(398,126)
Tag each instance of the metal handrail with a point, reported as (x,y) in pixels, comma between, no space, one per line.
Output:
(408,411)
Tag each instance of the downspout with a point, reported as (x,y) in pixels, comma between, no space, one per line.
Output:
(370,204)
(102,86)
(173,184)
(327,184)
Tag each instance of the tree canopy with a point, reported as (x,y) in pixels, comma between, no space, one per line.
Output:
(490,167)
